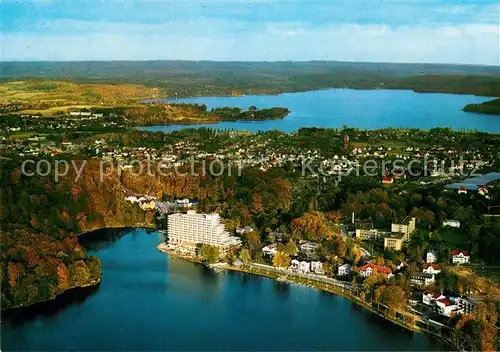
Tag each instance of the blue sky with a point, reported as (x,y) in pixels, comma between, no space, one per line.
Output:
(372,30)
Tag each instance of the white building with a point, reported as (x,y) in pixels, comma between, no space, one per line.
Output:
(446,307)
(451,223)
(432,269)
(460,257)
(344,270)
(431,257)
(243,230)
(309,246)
(422,279)
(270,250)
(429,298)
(186,232)
(303,266)
(467,305)
(317,267)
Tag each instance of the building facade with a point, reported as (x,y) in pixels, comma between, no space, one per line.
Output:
(186,232)
(406,225)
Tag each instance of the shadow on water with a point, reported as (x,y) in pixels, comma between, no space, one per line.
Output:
(71,298)
(106,238)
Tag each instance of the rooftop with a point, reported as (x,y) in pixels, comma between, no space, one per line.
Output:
(405,221)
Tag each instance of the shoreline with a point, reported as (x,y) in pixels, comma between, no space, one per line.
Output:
(295,280)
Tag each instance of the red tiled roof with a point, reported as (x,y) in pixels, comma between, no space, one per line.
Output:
(379,268)
(434,266)
(457,252)
(445,301)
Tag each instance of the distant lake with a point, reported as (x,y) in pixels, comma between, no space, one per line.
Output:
(149,301)
(366,109)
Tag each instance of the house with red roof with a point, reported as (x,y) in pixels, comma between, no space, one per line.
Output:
(446,307)
(460,256)
(428,297)
(369,269)
(431,268)
(387,180)
(462,190)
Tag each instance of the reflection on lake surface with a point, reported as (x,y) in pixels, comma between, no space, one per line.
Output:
(366,109)
(151,301)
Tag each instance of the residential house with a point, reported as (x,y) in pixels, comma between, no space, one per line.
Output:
(309,247)
(369,269)
(462,190)
(399,264)
(451,223)
(270,250)
(483,191)
(184,203)
(431,268)
(422,279)
(304,266)
(317,267)
(460,257)
(387,180)
(243,230)
(344,270)
(431,257)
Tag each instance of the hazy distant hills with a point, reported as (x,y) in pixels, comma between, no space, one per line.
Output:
(183,78)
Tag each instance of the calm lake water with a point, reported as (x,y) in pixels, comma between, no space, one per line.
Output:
(367,109)
(150,301)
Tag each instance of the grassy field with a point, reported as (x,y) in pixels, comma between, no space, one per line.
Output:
(51,97)
(455,238)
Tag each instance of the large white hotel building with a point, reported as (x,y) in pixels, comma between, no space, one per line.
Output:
(187,231)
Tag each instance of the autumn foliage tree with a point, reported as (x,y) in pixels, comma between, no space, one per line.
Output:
(281,260)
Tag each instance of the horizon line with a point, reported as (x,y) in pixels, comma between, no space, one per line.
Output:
(250,61)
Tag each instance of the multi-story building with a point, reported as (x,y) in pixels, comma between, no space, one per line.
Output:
(394,242)
(467,305)
(186,232)
(401,231)
(406,225)
(365,232)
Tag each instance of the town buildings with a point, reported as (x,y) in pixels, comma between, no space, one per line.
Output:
(401,231)
(186,232)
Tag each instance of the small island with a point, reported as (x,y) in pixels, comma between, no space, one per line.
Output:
(491,107)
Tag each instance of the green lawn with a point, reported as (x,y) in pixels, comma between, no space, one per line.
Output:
(455,238)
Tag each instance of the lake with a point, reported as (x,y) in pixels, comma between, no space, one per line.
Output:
(151,301)
(366,109)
